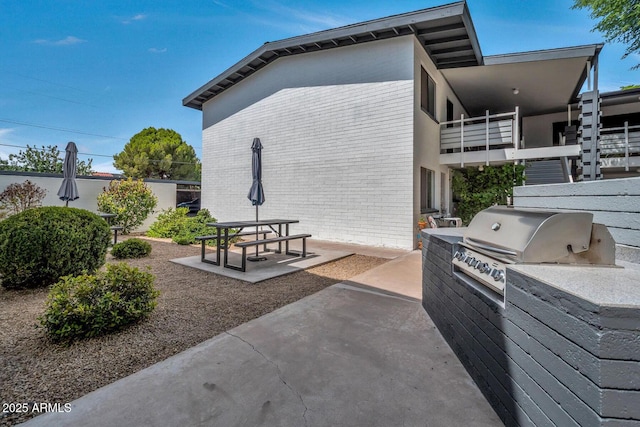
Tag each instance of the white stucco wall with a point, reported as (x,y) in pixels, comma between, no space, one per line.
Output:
(427,131)
(537,131)
(337,130)
(89,189)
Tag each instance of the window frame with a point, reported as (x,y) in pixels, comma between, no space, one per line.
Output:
(428,90)
(427,190)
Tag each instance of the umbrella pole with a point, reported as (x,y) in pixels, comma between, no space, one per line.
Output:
(257,257)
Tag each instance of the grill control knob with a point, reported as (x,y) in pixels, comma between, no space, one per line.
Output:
(498,275)
(483,267)
(470,260)
(458,255)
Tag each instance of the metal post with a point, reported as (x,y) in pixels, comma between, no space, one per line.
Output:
(257,257)
(461,140)
(257,237)
(626,146)
(516,130)
(596,123)
(486,134)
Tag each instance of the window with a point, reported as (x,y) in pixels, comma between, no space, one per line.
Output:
(426,190)
(428,94)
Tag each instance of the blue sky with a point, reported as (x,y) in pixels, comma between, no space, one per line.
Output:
(98,72)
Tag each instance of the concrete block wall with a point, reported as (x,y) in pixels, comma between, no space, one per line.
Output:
(614,203)
(337,131)
(89,189)
(542,356)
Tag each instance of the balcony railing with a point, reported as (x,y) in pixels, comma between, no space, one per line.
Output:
(620,146)
(477,133)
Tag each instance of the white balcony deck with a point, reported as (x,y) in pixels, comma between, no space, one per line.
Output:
(493,139)
(504,155)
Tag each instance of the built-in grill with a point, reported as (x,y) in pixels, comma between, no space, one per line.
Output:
(501,235)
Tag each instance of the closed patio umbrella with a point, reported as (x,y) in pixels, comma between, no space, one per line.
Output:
(69,190)
(256,193)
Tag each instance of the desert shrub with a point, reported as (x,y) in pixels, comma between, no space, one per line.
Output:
(20,197)
(182,229)
(169,223)
(131,248)
(183,240)
(91,305)
(40,245)
(131,200)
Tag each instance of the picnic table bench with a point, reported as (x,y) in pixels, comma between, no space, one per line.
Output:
(203,240)
(279,239)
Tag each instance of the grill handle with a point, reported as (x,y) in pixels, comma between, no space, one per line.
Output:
(490,248)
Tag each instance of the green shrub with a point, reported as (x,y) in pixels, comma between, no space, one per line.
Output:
(40,245)
(91,305)
(131,248)
(169,223)
(182,229)
(131,201)
(477,189)
(183,240)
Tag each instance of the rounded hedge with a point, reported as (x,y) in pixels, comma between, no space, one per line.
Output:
(40,245)
(91,305)
(131,248)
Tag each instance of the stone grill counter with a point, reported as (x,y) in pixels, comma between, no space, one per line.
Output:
(561,348)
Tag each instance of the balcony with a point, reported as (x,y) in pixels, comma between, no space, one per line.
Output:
(491,139)
(620,147)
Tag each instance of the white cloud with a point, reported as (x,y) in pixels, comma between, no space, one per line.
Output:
(4,132)
(294,20)
(156,50)
(67,41)
(106,166)
(221,4)
(5,138)
(138,17)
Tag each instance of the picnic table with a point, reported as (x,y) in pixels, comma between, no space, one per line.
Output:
(115,228)
(275,225)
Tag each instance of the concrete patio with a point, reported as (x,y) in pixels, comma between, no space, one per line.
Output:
(359,353)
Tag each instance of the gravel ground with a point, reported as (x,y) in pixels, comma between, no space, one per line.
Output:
(193,306)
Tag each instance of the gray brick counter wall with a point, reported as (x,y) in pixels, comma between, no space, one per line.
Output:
(544,356)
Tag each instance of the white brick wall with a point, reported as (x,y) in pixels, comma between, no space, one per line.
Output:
(338,157)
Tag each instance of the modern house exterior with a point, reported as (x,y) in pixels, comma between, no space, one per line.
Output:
(362,125)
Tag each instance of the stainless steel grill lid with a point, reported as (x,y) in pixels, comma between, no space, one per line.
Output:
(518,235)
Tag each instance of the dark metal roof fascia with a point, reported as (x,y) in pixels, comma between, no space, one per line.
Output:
(591,50)
(196,98)
(387,23)
(471,30)
(616,97)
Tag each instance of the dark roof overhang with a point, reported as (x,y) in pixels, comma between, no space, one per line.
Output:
(446,33)
(546,80)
